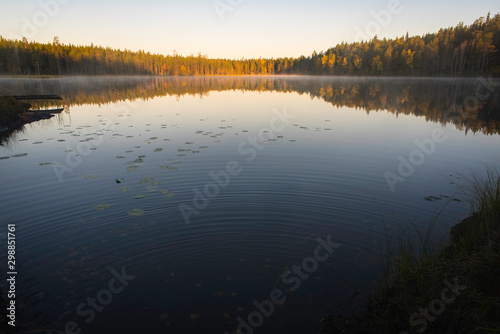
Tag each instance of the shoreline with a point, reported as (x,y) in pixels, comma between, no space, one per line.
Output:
(471,260)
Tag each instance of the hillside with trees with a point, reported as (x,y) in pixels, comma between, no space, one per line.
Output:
(455,51)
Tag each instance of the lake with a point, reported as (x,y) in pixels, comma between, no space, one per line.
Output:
(217,204)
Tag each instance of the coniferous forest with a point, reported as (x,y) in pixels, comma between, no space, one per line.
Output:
(455,51)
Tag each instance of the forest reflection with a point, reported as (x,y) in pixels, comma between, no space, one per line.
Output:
(469,104)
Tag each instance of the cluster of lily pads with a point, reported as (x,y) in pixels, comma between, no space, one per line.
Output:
(134,165)
(152,183)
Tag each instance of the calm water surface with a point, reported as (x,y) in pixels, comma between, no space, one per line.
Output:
(224,185)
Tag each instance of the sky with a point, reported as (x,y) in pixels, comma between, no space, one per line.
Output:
(231,28)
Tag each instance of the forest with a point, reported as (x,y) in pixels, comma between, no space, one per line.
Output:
(455,51)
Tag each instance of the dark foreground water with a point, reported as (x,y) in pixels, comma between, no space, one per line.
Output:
(208,205)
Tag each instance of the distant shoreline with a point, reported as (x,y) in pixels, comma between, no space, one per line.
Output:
(54,76)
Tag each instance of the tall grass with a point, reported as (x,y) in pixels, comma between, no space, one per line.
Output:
(483,194)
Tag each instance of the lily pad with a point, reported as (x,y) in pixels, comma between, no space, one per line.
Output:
(159,149)
(140,196)
(124,189)
(100,207)
(164,191)
(37,142)
(136,161)
(132,168)
(136,212)
(91,176)
(168,167)
(47,164)
(169,195)
(20,155)
(146,180)
(4,158)
(155,183)
(120,157)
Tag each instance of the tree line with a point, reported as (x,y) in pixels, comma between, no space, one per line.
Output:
(455,51)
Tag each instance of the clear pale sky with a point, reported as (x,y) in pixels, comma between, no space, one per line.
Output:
(239,28)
